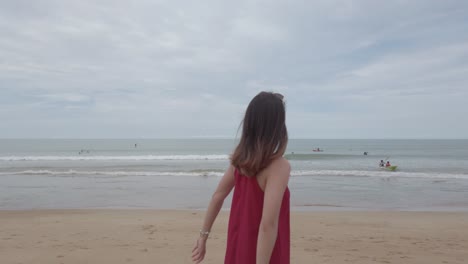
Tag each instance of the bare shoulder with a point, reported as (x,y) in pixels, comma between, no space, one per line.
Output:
(279,166)
(280,163)
(231,168)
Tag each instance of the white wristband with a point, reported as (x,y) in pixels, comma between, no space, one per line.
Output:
(204,233)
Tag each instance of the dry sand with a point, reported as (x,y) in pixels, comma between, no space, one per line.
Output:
(148,236)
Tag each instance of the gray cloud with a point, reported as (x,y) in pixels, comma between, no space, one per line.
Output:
(362,69)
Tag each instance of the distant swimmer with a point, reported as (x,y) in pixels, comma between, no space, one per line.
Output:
(365,153)
(388,164)
(135,145)
(382,163)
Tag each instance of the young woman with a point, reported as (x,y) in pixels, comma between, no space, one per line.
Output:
(258,231)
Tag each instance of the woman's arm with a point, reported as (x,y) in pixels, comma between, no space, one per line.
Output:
(276,183)
(224,188)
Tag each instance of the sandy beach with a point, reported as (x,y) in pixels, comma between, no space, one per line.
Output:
(152,236)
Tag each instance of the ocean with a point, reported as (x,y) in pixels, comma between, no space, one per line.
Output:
(432,175)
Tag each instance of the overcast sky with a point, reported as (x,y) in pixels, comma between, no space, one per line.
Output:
(157,69)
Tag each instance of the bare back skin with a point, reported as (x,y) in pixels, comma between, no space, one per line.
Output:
(279,164)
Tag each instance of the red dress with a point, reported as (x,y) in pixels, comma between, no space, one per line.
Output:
(244,223)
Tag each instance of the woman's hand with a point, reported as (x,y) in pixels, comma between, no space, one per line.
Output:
(199,250)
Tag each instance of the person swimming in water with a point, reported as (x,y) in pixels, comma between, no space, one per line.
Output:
(382,163)
(388,164)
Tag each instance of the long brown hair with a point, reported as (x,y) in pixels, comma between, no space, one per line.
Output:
(264,134)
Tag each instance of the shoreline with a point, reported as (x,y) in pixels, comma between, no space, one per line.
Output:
(166,236)
(167,192)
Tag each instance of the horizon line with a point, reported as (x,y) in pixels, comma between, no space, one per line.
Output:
(184,138)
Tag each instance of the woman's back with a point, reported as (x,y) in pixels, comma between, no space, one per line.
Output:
(244,224)
(258,231)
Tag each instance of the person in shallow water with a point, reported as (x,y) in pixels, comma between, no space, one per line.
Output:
(258,229)
(382,163)
(388,164)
